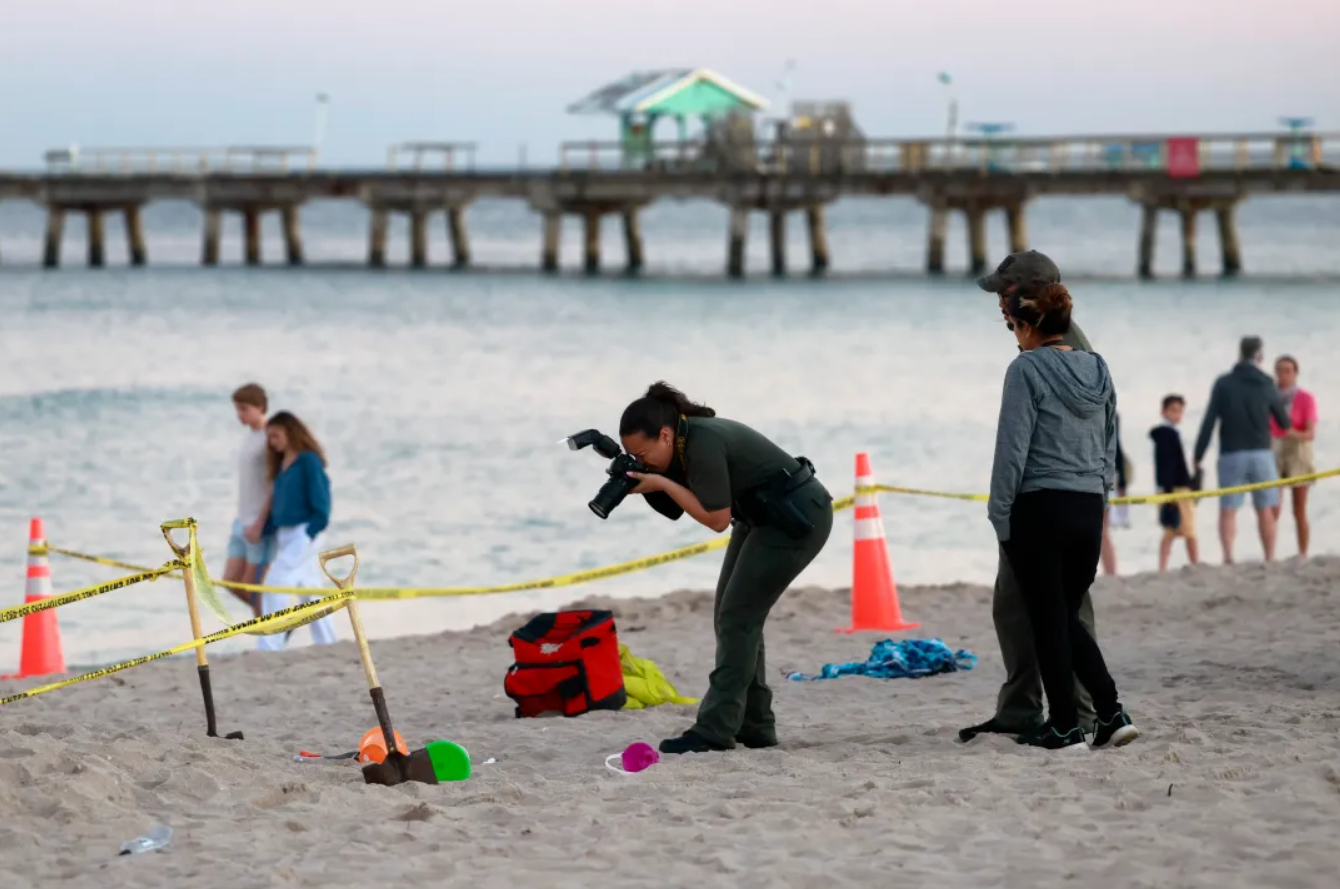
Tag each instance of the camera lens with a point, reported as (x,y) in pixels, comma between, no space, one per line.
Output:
(611,494)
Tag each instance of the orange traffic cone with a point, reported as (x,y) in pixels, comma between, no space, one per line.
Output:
(41,654)
(874,597)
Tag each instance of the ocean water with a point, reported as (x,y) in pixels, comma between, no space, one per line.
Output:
(440,397)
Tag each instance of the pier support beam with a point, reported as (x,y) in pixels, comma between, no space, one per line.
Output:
(209,241)
(976,240)
(632,237)
(55,234)
(134,219)
(1017,227)
(377,238)
(777,241)
(460,242)
(418,238)
(1149,225)
(292,234)
(1228,239)
(819,257)
(739,234)
(1188,214)
(553,231)
(591,243)
(251,231)
(935,240)
(97,240)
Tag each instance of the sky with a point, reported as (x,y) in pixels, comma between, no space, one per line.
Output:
(502,72)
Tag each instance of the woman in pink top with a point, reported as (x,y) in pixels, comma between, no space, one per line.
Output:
(1293,449)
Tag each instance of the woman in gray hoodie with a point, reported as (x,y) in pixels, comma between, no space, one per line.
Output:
(1056,448)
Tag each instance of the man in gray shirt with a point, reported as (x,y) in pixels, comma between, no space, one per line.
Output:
(1019,704)
(1242,402)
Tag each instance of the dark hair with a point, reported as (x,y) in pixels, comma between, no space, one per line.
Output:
(1170,400)
(1289,358)
(1249,348)
(1041,304)
(300,439)
(662,406)
(253,395)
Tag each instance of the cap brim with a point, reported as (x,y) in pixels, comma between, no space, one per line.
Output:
(991,283)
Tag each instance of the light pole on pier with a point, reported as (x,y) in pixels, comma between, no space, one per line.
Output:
(989,132)
(319,123)
(951,102)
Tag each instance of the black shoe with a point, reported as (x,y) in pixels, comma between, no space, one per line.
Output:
(689,742)
(1117,731)
(1049,738)
(992,726)
(756,740)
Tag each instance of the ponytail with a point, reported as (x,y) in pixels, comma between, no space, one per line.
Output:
(661,407)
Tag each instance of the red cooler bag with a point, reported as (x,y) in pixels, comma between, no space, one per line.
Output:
(568,663)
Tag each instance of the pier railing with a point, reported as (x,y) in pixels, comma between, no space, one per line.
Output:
(1086,154)
(250,159)
(437,157)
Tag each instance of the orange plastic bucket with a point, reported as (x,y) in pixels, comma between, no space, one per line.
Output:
(373,746)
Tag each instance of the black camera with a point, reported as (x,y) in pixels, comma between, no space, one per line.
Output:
(612,493)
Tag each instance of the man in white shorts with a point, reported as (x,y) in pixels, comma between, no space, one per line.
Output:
(248,550)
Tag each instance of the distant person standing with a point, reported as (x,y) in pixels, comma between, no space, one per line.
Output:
(1019,703)
(1293,447)
(1116,515)
(247,545)
(299,513)
(1171,475)
(1241,404)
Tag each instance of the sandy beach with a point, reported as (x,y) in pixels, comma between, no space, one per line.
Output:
(1233,674)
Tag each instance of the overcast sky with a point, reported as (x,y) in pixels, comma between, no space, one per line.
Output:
(501,72)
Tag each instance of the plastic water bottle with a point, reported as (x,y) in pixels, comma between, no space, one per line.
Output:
(158,837)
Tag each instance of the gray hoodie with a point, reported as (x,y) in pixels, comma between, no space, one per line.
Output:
(1057,429)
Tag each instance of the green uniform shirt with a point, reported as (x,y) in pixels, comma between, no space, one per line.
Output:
(724,459)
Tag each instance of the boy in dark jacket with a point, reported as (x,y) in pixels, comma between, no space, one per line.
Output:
(1171,475)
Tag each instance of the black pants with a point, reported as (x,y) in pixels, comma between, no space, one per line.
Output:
(1056,538)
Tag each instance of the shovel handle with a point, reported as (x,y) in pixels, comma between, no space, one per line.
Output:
(339,553)
(175,525)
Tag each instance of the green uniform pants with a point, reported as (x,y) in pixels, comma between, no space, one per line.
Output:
(1020,702)
(760,564)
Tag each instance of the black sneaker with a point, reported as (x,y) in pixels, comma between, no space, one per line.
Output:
(689,742)
(1118,731)
(1049,738)
(992,726)
(757,740)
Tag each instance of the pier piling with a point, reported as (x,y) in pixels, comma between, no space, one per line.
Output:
(591,243)
(134,220)
(209,243)
(1149,224)
(251,230)
(1228,239)
(97,240)
(1188,213)
(632,236)
(935,241)
(976,240)
(819,256)
(739,233)
(553,232)
(1017,226)
(292,234)
(777,240)
(456,233)
(418,238)
(377,238)
(55,234)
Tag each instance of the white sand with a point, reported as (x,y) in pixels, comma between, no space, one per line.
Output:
(1232,673)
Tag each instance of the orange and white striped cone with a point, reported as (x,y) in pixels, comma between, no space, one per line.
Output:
(41,653)
(874,596)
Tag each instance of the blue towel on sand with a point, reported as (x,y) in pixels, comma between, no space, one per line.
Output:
(909,659)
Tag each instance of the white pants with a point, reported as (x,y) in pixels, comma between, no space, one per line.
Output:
(295,564)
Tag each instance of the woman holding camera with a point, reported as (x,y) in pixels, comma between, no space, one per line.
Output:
(723,473)
(1056,450)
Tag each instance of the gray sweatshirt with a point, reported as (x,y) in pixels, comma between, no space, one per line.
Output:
(1057,430)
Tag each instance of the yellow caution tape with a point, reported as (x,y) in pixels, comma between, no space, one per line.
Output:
(698,549)
(83,557)
(19,611)
(326,605)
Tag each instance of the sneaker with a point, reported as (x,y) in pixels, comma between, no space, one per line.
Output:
(689,742)
(1049,738)
(992,726)
(757,740)
(1118,731)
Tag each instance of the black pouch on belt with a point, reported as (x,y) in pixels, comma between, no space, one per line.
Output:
(772,503)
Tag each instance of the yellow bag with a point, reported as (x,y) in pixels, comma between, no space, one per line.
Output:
(646,684)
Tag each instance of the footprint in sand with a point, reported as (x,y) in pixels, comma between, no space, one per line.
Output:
(292,792)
